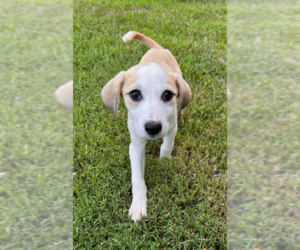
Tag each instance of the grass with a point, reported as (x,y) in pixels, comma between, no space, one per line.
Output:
(36,132)
(187,193)
(263,123)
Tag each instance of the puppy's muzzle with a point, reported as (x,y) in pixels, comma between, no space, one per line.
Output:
(153,128)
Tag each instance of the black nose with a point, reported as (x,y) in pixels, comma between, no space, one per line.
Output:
(153,128)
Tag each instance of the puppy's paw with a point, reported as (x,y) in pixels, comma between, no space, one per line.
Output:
(164,153)
(138,209)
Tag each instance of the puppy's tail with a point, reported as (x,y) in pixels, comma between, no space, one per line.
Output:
(146,40)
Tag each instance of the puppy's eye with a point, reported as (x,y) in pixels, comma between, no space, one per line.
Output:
(135,95)
(167,96)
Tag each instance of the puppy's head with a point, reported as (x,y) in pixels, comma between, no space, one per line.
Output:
(152,96)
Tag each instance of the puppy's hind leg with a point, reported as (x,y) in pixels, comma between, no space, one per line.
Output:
(167,146)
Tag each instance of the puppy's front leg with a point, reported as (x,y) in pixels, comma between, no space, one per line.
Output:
(167,146)
(139,190)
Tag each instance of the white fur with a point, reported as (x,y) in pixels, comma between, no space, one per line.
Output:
(152,82)
(128,36)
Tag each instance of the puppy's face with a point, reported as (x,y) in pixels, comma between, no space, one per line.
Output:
(150,96)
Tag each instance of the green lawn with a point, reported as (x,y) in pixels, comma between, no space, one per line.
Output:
(263,123)
(35,131)
(187,193)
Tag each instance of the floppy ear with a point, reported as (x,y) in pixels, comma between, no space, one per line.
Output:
(184,93)
(64,94)
(112,92)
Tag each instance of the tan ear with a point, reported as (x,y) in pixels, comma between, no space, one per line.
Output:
(64,94)
(184,93)
(112,92)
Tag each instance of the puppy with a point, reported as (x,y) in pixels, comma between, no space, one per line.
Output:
(154,93)
(64,94)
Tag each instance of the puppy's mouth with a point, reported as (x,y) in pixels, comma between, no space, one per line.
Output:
(153,137)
